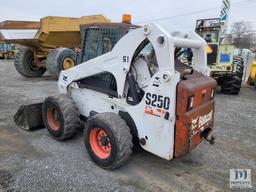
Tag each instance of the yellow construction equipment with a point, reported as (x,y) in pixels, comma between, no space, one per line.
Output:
(49,44)
(252,77)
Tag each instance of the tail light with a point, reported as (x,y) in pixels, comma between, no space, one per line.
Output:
(190,102)
(212,93)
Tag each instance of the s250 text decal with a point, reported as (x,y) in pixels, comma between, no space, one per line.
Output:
(157,105)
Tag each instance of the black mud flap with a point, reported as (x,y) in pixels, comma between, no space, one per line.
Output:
(29,117)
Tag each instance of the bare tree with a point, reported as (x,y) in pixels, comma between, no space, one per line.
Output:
(240,32)
(227,39)
(252,41)
(247,40)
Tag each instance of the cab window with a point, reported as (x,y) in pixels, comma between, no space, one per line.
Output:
(98,41)
(104,82)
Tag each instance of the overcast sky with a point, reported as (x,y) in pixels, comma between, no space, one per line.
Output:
(171,14)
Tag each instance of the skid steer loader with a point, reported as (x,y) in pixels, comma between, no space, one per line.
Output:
(137,90)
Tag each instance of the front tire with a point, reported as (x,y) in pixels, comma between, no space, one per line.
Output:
(61,117)
(60,59)
(108,140)
(24,63)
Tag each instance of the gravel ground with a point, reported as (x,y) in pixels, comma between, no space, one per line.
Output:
(33,161)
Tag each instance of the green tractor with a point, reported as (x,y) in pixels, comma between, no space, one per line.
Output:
(223,66)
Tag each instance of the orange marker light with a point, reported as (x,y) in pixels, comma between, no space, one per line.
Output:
(209,49)
(126,18)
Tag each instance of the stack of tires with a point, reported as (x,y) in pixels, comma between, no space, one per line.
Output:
(231,84)
(57,60)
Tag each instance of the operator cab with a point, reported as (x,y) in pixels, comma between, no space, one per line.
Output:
(100,38)
(209,30)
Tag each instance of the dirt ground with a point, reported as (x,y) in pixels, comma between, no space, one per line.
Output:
(33,161)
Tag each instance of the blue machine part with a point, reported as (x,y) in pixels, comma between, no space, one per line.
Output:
(6,47)
(185,53)
(224,58)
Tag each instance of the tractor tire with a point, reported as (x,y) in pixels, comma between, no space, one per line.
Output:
(60,59)
(108,140)
(61,117)
(239,63)
(24,64)
(232,84)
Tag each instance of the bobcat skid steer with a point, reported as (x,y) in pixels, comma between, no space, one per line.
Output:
(136,91)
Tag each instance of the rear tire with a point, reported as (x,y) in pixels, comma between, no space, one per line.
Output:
(61,117)
(232,84)
(24,64)
(108,140)
(60,59)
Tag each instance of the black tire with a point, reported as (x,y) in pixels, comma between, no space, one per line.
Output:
(239,64)
(67,120)
(118,136)
(24,64)
(55,60)
(232,84)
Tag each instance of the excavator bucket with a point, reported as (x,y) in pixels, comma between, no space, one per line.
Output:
(29,117)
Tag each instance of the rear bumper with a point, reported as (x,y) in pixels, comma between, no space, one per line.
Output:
(191,129)
(199,122)
(192,126)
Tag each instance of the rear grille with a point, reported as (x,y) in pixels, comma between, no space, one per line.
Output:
(212,57)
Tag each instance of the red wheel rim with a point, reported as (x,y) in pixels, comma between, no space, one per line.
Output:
(100,143)
(53,118)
